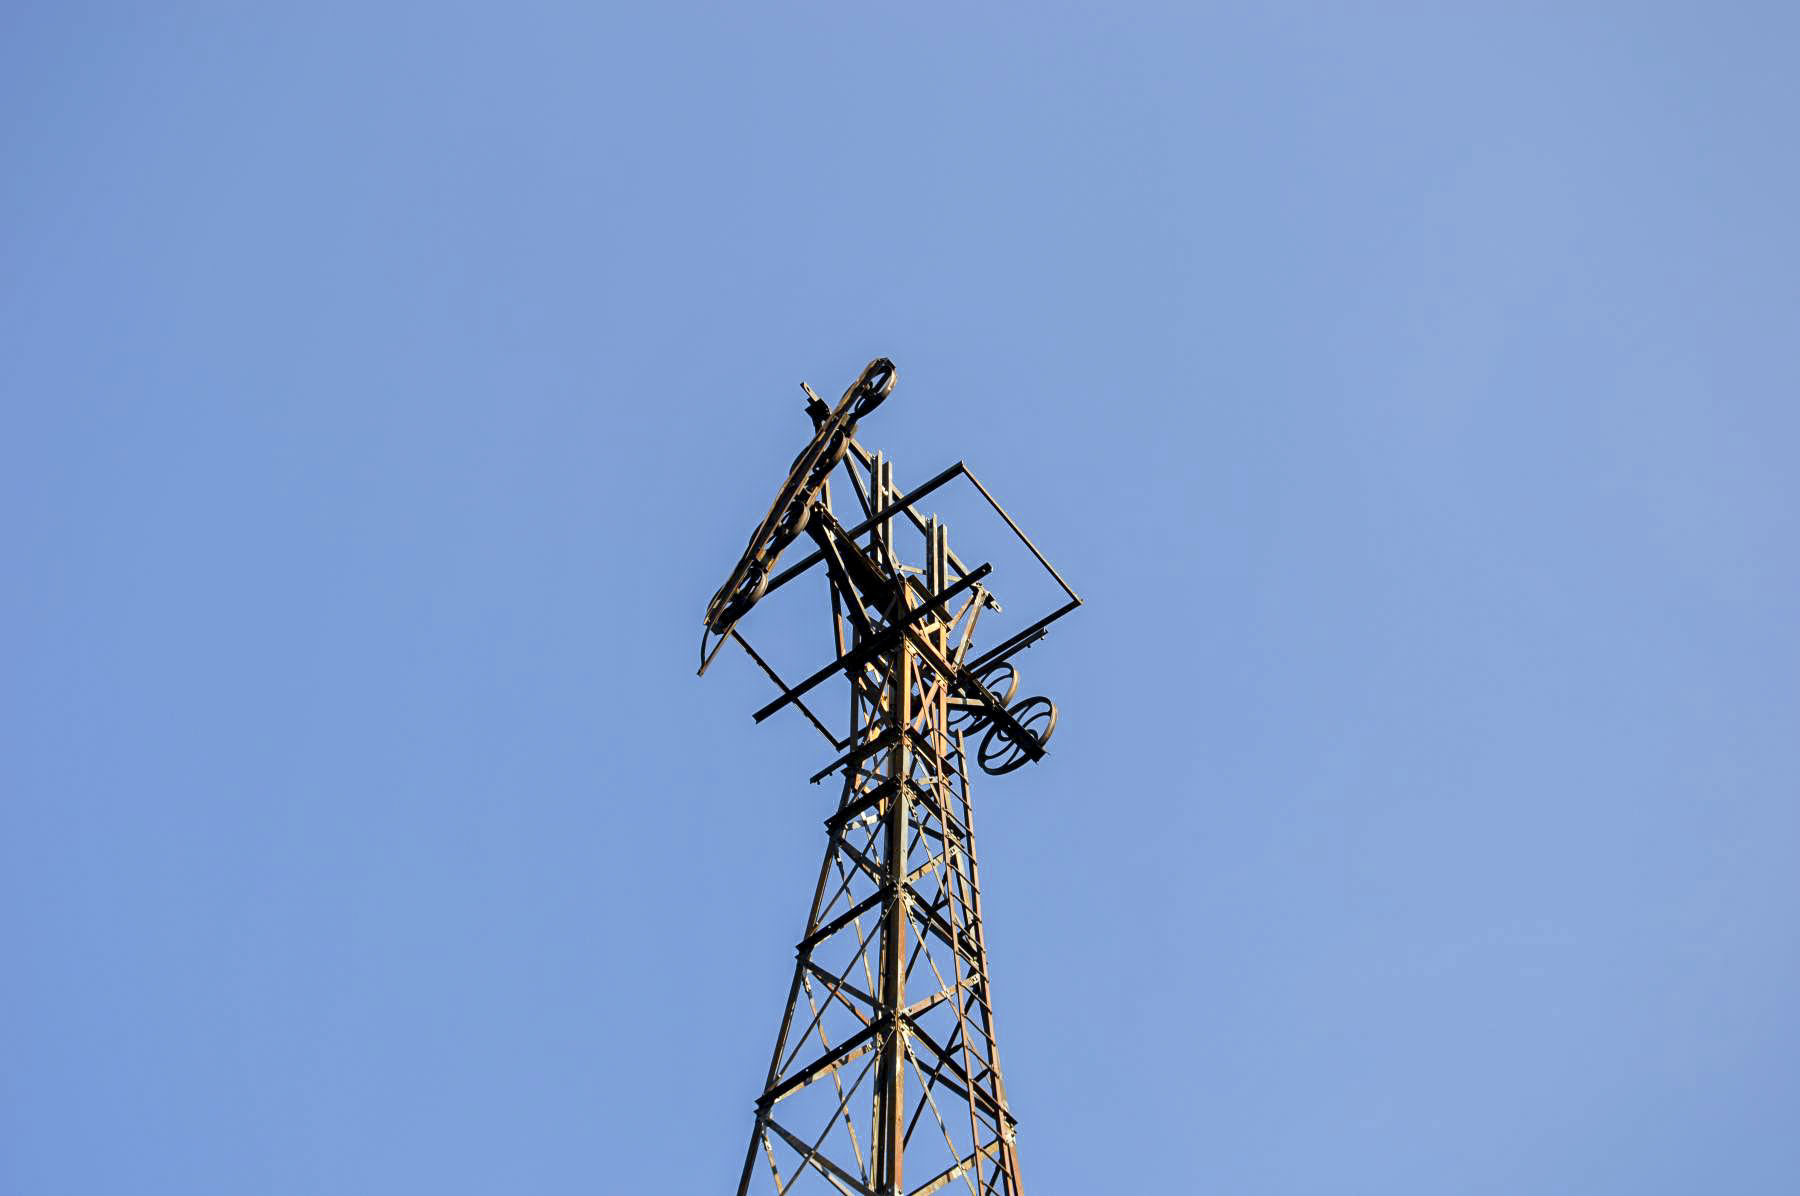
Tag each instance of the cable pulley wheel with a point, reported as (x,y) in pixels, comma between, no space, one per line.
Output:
(752,581)
(1000,679)
(1001,753)
(876,384)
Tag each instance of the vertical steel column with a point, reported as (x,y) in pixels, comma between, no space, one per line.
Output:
(890,1093)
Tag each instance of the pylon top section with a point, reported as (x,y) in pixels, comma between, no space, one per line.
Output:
(882,596)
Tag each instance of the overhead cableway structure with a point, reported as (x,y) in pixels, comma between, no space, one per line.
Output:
(886,1077)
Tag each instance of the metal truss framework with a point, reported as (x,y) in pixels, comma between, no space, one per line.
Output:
(886,1077)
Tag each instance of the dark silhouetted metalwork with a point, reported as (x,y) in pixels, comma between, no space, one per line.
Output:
(886,1076)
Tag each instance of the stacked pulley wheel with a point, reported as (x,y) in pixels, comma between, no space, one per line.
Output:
(793,507)
(1001,751)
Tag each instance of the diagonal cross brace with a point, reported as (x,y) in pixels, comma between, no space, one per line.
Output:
(862,655)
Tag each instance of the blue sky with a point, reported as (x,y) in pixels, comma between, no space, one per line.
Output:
(1409,389)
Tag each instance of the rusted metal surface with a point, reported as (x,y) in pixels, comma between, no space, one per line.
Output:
(886,1075)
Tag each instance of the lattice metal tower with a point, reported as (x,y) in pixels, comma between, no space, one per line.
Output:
(886,1075)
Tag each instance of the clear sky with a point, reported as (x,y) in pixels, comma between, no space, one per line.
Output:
(1409,389)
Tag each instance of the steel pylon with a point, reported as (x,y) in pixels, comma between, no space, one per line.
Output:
(885,1078)
(889,1027)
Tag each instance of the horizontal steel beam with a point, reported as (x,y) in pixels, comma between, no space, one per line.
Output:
(857,657)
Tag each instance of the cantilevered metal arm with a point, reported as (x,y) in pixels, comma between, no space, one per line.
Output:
(861,655)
